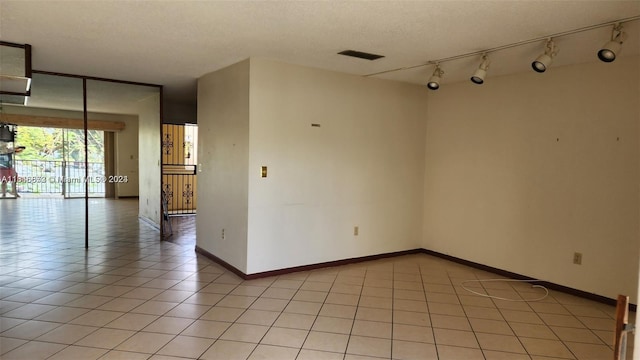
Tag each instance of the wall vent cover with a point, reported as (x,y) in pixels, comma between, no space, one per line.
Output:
(360,54)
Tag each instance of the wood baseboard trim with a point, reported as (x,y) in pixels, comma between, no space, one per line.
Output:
(221,262)
(547,284)
(332,263)
(309,267)
(500,272)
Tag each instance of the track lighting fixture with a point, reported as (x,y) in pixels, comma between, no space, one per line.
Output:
(434,81)
(542,62)
(608,53)
(478,77)
(612,47)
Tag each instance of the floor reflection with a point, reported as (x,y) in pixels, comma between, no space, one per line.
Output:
(51,224)
(183,230)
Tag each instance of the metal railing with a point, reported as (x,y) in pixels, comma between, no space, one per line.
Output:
(179,189)
(67,178)
(179,159)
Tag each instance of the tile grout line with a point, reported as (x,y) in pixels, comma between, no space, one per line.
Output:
(317,315)
(160,316)
(466,315)
(426,299)
(353,322)
(274,321)
(509,324)
(227,294)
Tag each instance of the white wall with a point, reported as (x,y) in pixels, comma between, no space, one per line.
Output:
(527,169)
(516,174)
(363,167)
(149,159)
(223,156)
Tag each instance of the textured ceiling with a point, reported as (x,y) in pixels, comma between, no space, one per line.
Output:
(172,43)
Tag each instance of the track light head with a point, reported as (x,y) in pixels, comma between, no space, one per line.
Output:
(610,50)
(434,81)
(481,73)
(542,62)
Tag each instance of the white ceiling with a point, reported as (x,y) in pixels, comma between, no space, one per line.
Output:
(172,43)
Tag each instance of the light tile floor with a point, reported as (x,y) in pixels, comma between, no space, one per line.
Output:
(131,296)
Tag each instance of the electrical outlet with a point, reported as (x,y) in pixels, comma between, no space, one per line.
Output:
(577,258)
(355,231)
(222,234)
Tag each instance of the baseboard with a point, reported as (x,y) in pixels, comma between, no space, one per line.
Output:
(331,264)
(500,272)
(309,267)
(512,275)
(221,262)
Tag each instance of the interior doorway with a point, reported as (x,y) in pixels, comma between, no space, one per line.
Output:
(179,180)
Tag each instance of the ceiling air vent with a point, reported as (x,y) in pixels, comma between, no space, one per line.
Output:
(360,55)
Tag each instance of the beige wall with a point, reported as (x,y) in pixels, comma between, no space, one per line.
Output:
(527,169)
(363,167)
(126,156)
(223,158)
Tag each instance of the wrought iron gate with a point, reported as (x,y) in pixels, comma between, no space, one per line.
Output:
(179,168)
